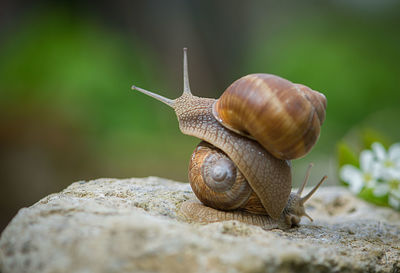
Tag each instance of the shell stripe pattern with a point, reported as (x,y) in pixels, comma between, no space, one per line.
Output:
(284,117)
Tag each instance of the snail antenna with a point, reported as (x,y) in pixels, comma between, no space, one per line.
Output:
(305,198)
(305,179)
(165,100)
(186,86)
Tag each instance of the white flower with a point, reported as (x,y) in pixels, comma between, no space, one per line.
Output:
(390,188)
(394,198)
(389,161)
(366,176)
(381,188)
(379,171)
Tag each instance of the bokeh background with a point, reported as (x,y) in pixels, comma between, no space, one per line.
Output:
(66,67)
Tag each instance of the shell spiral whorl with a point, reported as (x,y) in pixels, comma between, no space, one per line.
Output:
(285,118)
(215,179)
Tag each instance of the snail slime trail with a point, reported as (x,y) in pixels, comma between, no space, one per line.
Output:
(241,169)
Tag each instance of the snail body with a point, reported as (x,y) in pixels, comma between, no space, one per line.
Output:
(231,171)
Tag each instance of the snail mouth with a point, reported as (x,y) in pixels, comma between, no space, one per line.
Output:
(293,220)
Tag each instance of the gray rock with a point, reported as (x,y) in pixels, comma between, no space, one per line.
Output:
(132,225)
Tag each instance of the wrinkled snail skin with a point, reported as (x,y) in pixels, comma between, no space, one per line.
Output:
(195,211)
(198,213)
(232,172)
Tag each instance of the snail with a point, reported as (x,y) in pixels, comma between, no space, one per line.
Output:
(242,170)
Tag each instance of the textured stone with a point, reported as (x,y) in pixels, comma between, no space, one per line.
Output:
(132,225)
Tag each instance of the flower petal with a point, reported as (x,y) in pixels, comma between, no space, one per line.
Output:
(356,185)
(366,160)
(394,152)
(379,150)
(394,202)
(376,170)
(395,193)
(371,183)
(391,174)
(353,177)
(349,172)
(381,189)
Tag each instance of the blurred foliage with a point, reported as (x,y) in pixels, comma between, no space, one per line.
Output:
(67,111)
(368,195)
(79,73)
(346,155)
(80,70)
(357,140)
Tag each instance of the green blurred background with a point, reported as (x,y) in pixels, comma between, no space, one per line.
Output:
(66,67)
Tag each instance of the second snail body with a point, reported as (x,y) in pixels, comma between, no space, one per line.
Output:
(236,172)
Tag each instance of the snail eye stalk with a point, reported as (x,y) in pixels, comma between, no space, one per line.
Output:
(165,100)
(308,196)
(305,179)
(186,86)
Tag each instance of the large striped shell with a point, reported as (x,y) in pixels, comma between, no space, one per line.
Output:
(284,117)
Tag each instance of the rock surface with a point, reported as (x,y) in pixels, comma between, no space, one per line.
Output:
(132,225)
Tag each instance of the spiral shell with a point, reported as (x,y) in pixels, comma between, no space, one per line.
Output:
(217,182)
(285,118)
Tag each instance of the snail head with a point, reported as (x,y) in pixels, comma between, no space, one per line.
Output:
(294,209)
(187,107)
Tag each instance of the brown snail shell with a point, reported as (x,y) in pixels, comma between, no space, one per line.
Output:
(218,183)
(285,118)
